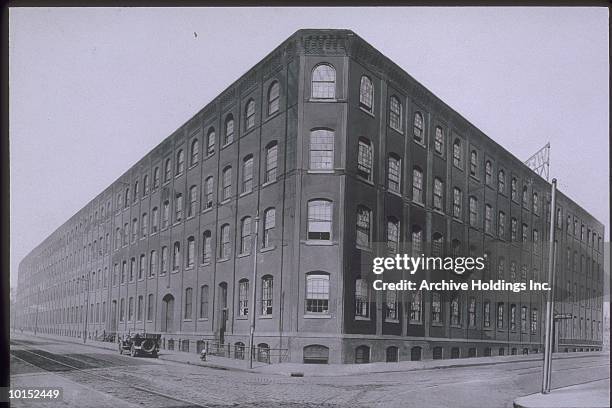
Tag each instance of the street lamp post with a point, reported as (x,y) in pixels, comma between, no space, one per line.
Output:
(548,334)
(253,293)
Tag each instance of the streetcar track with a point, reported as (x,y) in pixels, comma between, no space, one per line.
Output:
(83,381)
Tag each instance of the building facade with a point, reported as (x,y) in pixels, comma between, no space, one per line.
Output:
(322,156)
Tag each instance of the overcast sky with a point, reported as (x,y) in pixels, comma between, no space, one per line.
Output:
(93,90)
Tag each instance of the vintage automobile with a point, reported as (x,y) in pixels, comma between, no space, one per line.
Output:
(137,344)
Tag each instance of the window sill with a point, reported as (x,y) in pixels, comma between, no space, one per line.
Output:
(437,324)
(317,316)
(267,183)
(189,268)
(225,201)
(193,166)
(365,180)
(419,143)
(366,111)
(416,322)
(204,211)
(175,271)
(362,318)
(392,321)
(187,320)
(205,263)
(438,211)
(316,242)
(269,316)
(320,171)
(400,131)
(151,277)
(363,248)
(245,193)
(395,193)
(456,326)
(246,317)
(226,145)
(320,100)
(459,220)
(202,319)
(267,249)
(418,203)
(222,260)
(458,167)
(178,175)
(243,255)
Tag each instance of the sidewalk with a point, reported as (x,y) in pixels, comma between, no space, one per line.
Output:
(322,370)
(593,394)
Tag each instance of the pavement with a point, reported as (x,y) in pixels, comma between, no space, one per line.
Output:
(329,370)
(594,394)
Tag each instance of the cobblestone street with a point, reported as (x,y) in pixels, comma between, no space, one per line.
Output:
(93,377)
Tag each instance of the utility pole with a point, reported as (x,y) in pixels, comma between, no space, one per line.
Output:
(253,292)
(548,334)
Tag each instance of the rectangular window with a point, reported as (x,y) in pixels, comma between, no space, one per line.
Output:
(472,313)
(266,295)
(486,318)
(436,308)
(391,305)
(317,293)
(319,220)
(362,300)
(415,307)
(271,163)
(321,149)
(457,199)
(417,185)
(139,309)
(438,194)
(364,221)
(488,218)
(473,211)
(178,207)
(500,315)
(204,302)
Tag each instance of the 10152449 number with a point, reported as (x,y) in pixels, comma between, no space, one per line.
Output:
(35,393)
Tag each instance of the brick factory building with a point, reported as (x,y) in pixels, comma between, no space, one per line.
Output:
(335,149)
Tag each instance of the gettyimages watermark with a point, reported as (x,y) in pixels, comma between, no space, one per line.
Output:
(497,266)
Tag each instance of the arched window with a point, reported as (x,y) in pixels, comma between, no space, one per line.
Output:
(195,152)
(321,149)
(323,82)
(316,354)
(317,293)
(364,159)
(245,235)
(269,224)
(394,173)
(136,192)
(178,207)
(438,194)
(501,182)
(319,220)
(126,200)
(392,235)
(457,203)
(417,185)
(392,354)
(362,298)
(180,162)
(247,174)
(395,113)
(243,297)
(190,261)
(239,350)
(145,188)
(455,310)
(525,197)
(206,247)
(263,353)
(176,259)
(167,170)
(457,154)
(473,204)
(156,179)
(266,295)
(208,192)
(391,306)
(437,353)
(364,227)
(154,220)
(188,303)
(204,302)
(439,140)
(224,244)
(488,218)
(535,203)
(437,244)
(153,263)
(249,115)
(362,355)
(273,98)
(417,127)
(366,93)
(229,129)
(193,201)
(164,259)
(142,266)
(227,182)
(473,163)
(210,141)
(417,240)
(488,172)
(271,162)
